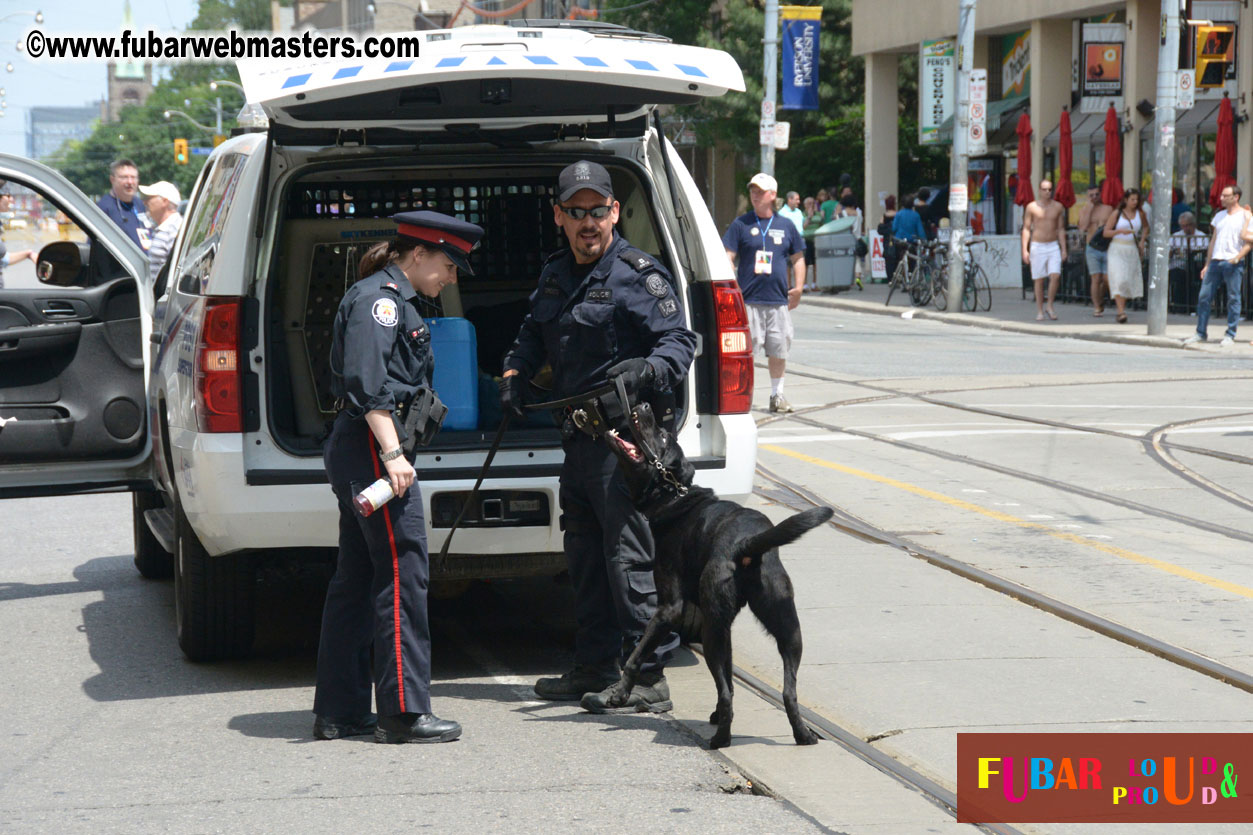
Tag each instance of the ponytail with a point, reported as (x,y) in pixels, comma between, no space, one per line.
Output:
(383,253)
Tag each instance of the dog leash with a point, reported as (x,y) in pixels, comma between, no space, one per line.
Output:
(441,559)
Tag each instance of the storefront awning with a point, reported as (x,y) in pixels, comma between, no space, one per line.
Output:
(1085,129)
(1002,117)
(1199,121)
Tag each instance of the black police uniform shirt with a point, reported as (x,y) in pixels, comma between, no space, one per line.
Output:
(380,347)
(764,250)
(584,322)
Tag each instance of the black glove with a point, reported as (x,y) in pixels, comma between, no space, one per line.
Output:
(636,374)
(512,395)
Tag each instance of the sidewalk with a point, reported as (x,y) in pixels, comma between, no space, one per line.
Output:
(1012,312)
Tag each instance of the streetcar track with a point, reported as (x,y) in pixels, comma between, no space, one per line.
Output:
(927,397)
(1158,449)
(1024,475)
(1080,617)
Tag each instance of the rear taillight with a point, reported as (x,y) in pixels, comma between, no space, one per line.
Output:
(735,350)
(219,376)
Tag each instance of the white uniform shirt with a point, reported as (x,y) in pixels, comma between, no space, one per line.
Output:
(1227,229)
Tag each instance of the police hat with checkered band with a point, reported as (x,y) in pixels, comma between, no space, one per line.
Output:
(456,238)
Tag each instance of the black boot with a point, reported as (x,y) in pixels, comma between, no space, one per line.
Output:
(584,678)
(415,727)
(651,694)
(328,727)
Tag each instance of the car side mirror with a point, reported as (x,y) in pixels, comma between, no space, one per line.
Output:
(60,263)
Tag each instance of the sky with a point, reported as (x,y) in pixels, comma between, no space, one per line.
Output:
(67,84)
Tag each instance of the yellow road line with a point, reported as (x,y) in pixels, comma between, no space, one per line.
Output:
(1122,553)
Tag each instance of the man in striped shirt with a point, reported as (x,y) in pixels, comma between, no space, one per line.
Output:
(161,200)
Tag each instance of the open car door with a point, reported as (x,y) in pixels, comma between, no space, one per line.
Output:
(74,328)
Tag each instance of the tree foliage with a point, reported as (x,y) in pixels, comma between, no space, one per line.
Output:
(144,135)
(825,143)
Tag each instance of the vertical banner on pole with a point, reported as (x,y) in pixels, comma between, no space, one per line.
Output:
(801,25)
(936,70)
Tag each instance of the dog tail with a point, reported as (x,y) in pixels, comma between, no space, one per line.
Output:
(789,530)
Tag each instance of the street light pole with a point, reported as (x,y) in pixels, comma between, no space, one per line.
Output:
(1163,166)
(770,93)
(957,197)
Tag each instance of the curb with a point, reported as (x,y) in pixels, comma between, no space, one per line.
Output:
(971,320)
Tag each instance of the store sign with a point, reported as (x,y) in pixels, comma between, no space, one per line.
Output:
(1016,65)
(1102,69)
(878,263)
(936,70)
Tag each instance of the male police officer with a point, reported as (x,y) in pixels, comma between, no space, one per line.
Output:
(603,310)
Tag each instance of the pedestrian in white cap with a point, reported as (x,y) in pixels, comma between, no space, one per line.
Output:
(764,248)
(161,199)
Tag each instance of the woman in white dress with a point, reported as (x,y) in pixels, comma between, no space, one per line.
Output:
(1127,227)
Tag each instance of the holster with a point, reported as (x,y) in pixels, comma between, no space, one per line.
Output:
(419,420)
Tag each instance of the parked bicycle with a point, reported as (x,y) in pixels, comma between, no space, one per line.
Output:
(976,291)
(915,272)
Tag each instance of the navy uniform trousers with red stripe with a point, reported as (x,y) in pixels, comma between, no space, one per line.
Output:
(377,598)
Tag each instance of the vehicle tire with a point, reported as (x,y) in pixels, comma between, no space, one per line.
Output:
(214,598)
(151,558)
(984,288)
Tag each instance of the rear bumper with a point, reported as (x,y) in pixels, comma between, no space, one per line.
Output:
(235,509)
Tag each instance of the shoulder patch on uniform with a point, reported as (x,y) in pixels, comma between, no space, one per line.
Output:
(657,285)
(667,307)
(385,313)
(637,258)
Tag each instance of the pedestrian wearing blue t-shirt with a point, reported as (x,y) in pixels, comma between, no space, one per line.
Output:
(122,207)
(764,248)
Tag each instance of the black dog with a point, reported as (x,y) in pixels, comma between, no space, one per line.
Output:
(712,554)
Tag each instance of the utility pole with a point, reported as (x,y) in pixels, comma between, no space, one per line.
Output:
(1163,165)
(957,196)
(771,91)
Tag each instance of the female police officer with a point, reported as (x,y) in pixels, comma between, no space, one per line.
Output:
(381,356)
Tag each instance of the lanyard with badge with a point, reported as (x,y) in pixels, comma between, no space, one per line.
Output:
(761,265)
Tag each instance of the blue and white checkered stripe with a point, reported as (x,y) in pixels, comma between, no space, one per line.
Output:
(514,60)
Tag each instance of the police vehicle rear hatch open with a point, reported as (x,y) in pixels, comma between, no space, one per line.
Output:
(533,81)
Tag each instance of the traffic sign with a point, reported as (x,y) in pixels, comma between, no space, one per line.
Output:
(201,152)
(977,144)
(1186,90)
(765,130)
(782,134)
(767,110)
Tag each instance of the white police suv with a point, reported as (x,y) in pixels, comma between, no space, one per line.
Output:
(205,390)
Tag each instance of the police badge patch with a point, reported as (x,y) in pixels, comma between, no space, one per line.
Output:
(657,285)
(667,307)
(384,312)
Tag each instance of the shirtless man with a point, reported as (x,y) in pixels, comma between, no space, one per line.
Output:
(1092,219)
(1044,246)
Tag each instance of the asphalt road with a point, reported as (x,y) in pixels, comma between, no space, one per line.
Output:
(1026,459)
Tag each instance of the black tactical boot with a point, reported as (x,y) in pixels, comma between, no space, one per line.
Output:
(584,678)
(650,694)
(416,727)
(329,727)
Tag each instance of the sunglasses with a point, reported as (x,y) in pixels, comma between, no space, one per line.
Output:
(575,213)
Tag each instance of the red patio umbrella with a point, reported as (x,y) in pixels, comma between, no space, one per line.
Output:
(1064,190)
(1024,195)
(1112,193)
(1224,154)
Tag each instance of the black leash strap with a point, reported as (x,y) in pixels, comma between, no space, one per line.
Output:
(441,560)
